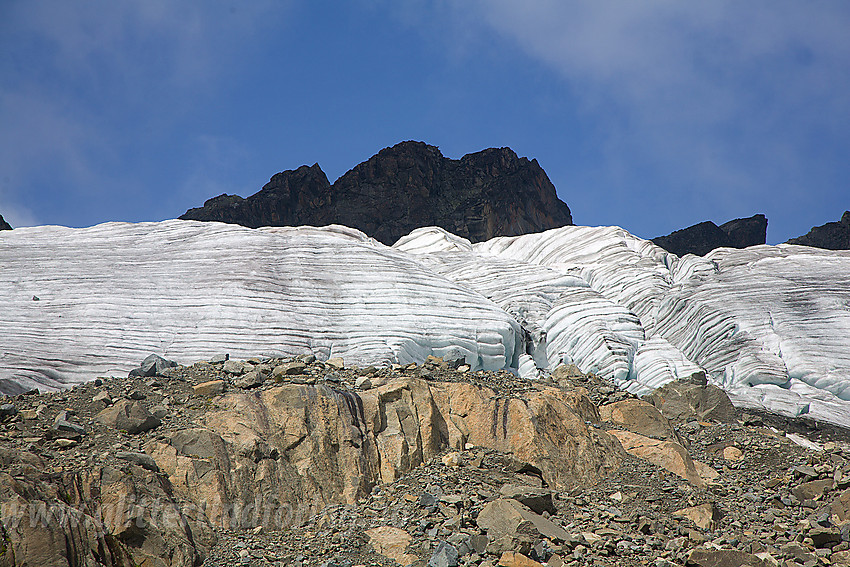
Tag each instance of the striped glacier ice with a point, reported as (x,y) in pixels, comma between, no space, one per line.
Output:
(770,324)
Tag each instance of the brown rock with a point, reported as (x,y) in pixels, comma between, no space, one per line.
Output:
(840,506)
(291,368)
(732,453)
(704,516)
(701,557)
(639,417)
(211,388)
(812,489)
(513,559)
(392,543)
(840,558)
(666,454)
(129,416)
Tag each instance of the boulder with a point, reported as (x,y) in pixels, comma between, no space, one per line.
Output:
(299,447)
(639,417)
(391,543)
(701,557)
(210,388)
(537,499)
(129,416)
(840,506)
(153,365)
(668,455)
(683,401)
(514,559)
(507,517)
(704,516)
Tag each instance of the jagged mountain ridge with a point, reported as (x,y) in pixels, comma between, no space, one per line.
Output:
(832,235)
(481,195)
(702,238)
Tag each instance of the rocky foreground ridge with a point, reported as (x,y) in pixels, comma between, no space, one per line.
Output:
(484,194)
(308,463)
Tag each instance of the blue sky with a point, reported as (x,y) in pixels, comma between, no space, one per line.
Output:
(649,115)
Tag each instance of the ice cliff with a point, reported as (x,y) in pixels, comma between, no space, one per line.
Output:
(770,324)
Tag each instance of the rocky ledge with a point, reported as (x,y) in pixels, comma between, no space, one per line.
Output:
(410,185)
(308,463)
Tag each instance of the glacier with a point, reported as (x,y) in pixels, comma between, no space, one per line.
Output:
(769,324)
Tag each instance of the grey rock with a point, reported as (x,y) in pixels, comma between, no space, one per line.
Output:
(219,358)
(129,416)
(506,516)
(363,383)
(682,401)
(102,397)
(249,380)
(445,555)
(538,499)
(142,459)
(289,368)
(7,410)
(153,365)
(235,367)
(65,426)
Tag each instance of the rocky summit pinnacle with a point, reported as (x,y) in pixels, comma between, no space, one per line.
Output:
(702,238)
(832,235)
(479,196)
(3,224)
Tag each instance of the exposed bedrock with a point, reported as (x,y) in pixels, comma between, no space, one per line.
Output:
(274,458)
(832,235)
(481,195)
(295,445)
(4,225)
(702,238)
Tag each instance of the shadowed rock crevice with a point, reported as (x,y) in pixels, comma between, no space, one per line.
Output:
(484,194)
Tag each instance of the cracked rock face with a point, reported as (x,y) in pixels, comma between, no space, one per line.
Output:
(484,194)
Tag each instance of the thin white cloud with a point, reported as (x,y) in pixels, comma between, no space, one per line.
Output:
(76,74)
(729,95)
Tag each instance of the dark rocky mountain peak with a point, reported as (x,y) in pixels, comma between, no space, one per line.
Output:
(3,224)
(702,238)
(484,194)
(832,235)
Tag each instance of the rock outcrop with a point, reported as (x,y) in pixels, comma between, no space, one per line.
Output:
(702,238)
(484,194)
(832,235)
(318,463)
(3,224)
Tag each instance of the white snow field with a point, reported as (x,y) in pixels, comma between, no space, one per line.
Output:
(770,324)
